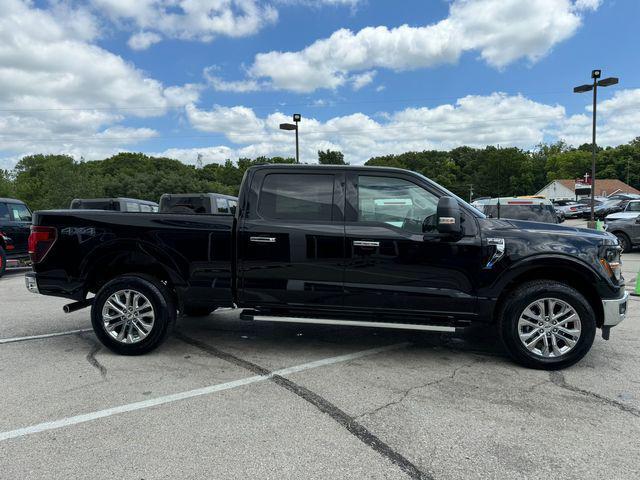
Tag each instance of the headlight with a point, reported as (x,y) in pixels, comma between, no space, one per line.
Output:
(611,262)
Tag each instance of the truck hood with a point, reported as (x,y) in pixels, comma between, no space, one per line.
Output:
(531,230)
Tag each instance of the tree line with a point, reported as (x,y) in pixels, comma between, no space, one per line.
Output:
(52,181)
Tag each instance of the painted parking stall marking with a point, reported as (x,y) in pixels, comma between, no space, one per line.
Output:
(153,402)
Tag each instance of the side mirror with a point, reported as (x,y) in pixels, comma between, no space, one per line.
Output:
(637,219)
(448,216)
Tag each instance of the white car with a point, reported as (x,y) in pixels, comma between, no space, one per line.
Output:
(632,210)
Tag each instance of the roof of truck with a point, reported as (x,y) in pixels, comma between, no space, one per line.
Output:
(11,200)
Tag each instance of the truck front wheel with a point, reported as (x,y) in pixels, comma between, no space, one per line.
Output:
(547,325)
(132,315)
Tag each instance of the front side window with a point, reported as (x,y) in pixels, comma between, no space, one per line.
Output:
(634,207)
(232,206)
(395,202)
(286,196)
(20,212)
(133,207)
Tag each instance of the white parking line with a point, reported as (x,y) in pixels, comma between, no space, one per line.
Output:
(45,335)
(152,402)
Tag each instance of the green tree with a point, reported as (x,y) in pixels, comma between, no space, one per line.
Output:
(331,157)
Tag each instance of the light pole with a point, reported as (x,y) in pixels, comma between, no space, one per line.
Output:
(293,126)
(605,82)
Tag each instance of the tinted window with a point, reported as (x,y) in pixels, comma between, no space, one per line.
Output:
(20,212)
(297,197)
(4,212)
(395,202)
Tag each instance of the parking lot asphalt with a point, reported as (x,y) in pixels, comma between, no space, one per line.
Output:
(225,398)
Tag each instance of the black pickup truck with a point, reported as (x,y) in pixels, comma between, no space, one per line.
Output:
(15,221)
(357,246)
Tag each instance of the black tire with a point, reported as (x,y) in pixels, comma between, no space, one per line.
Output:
(191,311)
(519,299)
(163,306)
(624,241)
(3,261)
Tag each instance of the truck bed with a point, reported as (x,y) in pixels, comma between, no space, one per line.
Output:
(193,252)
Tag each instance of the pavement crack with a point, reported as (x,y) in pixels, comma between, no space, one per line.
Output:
(91,356)
(405,393)
(346,421)
(558,379)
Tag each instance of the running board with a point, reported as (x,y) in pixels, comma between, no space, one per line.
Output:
(350,323)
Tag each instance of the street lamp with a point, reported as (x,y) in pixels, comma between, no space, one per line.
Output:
(291,126)
(605,82)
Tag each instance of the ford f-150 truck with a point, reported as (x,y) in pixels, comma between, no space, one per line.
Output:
(357,246)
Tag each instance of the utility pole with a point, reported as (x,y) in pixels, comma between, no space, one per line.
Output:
(470,193)
(605,82)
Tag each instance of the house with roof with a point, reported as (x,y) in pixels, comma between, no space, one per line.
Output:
(575,189)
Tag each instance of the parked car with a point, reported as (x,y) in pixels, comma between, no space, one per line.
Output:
(586,202)
(532,209)
(202,203)
(631,210)
(352,245)
(627,230)
(570,208)
(15,221)
(119,204)
(608,207)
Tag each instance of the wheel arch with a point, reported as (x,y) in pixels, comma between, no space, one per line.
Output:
(126,257)
(560,269)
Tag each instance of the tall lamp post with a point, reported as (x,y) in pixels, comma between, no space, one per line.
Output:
(293,126)
(605,82)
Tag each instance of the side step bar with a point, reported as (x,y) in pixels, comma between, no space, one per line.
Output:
(349,323)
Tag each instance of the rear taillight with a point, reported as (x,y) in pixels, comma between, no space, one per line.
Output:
(40,242)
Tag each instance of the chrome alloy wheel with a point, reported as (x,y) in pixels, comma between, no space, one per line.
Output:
(128,316)
(549,327)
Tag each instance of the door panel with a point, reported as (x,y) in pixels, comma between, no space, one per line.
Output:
(291,242)
(20,227)
(392,265)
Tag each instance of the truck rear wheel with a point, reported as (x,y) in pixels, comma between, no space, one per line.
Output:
(132,315)
(547,325)
(3,261)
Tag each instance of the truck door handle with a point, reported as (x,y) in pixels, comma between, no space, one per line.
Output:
(365,243)
(263,239)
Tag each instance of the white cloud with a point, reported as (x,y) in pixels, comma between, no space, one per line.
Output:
(143,40)
(200,20)
(61,93)
(618,120)
(472,120)
(501,31)
(361,80)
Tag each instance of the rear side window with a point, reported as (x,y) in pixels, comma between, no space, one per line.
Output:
(221,204)
(4,212)
(287,196)
(133,207)
(20,212)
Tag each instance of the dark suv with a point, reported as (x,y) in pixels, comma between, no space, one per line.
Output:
(15,222)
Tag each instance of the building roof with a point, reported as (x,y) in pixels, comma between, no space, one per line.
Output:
(604,186)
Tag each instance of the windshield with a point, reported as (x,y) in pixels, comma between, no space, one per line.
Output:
(476,212)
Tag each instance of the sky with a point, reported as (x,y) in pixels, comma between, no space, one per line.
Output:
(211,80)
